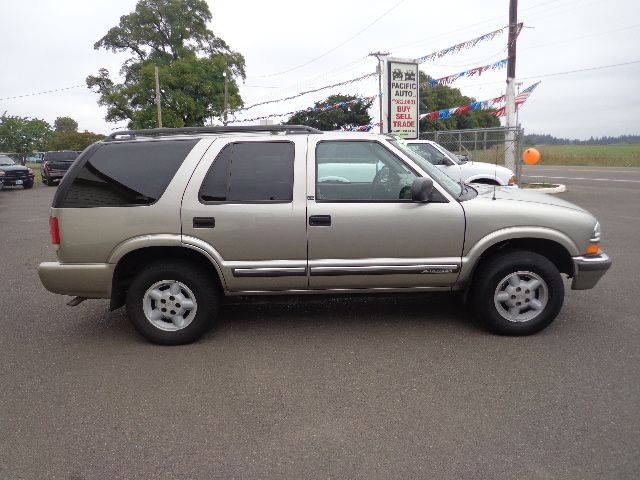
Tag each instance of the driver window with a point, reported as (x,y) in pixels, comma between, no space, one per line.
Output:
(351,170)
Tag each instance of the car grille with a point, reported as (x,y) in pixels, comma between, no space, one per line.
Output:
(16,175)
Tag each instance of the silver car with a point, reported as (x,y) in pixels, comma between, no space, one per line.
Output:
(462,170)
(168,221)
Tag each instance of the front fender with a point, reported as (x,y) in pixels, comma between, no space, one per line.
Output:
(470,260)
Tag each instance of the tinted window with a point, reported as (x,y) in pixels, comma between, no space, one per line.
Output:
(363,171)
(60,156)
(132,173)
(251,172)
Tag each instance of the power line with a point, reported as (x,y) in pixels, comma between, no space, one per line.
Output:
(43,92)
(337,46)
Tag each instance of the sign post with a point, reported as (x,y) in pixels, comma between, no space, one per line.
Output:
(401,94)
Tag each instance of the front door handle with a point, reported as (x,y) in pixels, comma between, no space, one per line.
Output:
(204,222)
(320,220)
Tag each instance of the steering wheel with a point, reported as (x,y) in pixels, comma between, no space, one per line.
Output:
(333,178)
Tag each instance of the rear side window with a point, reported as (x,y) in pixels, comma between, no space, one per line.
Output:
(124,174)
(251,172)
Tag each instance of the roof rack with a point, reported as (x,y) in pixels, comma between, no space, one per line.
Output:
(158,132)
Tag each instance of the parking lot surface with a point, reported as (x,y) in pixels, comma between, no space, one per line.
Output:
(326,387)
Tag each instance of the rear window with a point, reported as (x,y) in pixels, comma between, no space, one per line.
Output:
(60,156)
(125,174)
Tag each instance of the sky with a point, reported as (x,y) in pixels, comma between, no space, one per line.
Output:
(48,45)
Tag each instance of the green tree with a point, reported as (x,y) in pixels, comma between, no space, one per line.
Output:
(440,97)
(172,35)
(65,124)
(356,114)
(73,140)
(23,135)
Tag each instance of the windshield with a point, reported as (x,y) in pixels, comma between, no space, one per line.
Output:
(4,160)
(447,182)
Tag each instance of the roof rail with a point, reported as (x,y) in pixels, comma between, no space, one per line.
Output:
(158,132)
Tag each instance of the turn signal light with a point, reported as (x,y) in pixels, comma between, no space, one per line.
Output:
(592,249)
(54,230)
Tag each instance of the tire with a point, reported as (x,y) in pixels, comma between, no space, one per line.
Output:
(44,181)
(28,185)
(517,293)
(172,282)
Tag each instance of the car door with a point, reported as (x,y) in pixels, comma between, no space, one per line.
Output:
(363,229)
(246,205)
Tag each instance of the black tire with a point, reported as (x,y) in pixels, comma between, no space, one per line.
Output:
(203,288)
(50,183)
(490,277)
(28,184)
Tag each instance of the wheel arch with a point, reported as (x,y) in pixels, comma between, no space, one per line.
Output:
(129,263)
(554,245)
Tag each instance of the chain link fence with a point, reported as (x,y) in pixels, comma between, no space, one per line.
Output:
(482,144)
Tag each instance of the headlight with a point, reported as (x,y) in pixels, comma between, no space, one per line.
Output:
(30,171)
(1,173)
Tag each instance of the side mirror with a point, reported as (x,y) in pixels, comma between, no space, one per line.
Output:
(421,189)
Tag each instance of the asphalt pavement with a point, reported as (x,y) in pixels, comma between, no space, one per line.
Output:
(338,387)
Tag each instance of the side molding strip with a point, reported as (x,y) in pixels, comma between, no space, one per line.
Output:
(270,272)
(383,270)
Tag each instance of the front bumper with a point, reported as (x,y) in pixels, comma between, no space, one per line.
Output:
(587,270)
(90,280)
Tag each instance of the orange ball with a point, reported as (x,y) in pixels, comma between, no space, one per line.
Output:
(530,156)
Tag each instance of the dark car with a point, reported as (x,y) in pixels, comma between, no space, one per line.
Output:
(55,165)
(12,174)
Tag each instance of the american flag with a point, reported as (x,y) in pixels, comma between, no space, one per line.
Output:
(520,99)
(523,95)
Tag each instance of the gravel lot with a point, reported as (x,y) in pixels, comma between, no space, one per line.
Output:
(337,387)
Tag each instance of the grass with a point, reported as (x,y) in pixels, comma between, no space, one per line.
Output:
(623,155)
(36,170)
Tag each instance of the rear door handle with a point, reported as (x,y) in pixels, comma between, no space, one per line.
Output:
(204,222)
(320,220)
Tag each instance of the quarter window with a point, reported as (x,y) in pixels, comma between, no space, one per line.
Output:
(127,173)
(360,171)
(251,172)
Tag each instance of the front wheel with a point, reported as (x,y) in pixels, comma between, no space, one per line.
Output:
(28,184)
(517,293)
(172,302)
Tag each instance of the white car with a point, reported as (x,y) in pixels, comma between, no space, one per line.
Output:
(457,169)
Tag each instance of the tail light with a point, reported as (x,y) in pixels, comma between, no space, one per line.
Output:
(54,230)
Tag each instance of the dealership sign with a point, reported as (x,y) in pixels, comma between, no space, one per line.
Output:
(401,116)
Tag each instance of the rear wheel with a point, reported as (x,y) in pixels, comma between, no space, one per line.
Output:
(518,293)
(172,303)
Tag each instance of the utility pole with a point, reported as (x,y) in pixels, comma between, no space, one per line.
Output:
(510,107)
(226,98)
(378,55)
(158,99)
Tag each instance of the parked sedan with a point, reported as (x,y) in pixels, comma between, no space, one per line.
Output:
(12,174)
(460,169)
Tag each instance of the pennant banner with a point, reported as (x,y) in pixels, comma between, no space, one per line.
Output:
(467,73)
(323,108)
(465,45)
(484,105)
(447,112)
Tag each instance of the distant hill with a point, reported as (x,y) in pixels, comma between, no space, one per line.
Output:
(545,139)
